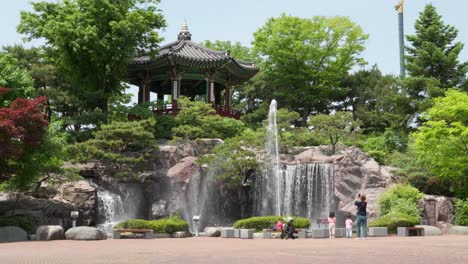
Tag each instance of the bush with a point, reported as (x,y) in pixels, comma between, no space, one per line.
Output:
(461,212)
(19,221)
(261,222)
(401,198)
(164,125)
(165,225)
(394,220)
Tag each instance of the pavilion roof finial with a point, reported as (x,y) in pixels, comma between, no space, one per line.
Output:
(184,32)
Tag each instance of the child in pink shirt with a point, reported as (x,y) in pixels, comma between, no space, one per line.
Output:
(349,226)
(331,224)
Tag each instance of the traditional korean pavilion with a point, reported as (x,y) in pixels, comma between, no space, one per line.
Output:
(184,68)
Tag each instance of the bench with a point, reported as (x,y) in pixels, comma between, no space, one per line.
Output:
(148,233)
(410,231)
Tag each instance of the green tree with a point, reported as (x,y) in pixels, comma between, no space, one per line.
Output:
(376,101)
(334,127)
(199,120)
(236,50)
(234,159)
(12,76)
(93,41)
(307,58)
(441,143)
(433,52)
(125,145)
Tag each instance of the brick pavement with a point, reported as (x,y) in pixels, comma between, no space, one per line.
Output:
(442,249)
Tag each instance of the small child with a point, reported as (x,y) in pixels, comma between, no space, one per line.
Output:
(331,224)
(349,226)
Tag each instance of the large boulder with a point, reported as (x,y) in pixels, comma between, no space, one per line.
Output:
(50,232)
(85,233)
(12,234)
(437,209)
(430,230)
(458,230)
(212,231)
(170,155)
(183,171)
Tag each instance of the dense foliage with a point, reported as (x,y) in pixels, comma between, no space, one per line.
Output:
(261,222)
(126,145)
(334,127)
(461,212)
(165,225)
(92,42)
(22,132)
(307,58)
(233,160)
(401,199)
(441,143)
(199,120)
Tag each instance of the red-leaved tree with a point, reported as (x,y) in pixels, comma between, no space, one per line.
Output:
(22,129)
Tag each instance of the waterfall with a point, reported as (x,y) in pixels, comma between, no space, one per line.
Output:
(306,190)
(199,196)
(110,208)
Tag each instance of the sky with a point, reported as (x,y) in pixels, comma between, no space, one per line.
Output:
(237,20)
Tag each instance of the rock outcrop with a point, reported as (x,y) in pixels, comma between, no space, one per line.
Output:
(437,209)
(82,196)
(40,211)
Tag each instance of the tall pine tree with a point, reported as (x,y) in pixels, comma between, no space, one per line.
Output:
(433,52)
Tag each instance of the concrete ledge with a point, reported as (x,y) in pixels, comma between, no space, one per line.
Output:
(267,233)
(227,233)
(377,231)
(246,233)
(340,232)
(302,233)
(410,231)
(320,233)
(458,230)
(237,233)
(430,230)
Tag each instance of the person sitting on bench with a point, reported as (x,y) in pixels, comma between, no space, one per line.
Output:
(288,230)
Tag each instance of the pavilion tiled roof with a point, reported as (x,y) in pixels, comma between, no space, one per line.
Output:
(186,52)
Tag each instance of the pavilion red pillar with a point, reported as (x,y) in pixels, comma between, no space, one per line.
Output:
(227,98)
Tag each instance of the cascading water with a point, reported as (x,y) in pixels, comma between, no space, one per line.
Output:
(308,190)
(198,196)
(110,208)
(305,190)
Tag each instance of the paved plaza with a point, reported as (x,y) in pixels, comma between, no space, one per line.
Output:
(441,249)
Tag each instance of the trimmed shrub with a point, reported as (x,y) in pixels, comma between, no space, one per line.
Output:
(394,220)
(401,198)
(19,221)
(134,224)
(261,222)
(461,212)
(165,225)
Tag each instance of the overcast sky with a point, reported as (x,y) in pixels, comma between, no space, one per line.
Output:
(236,20)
